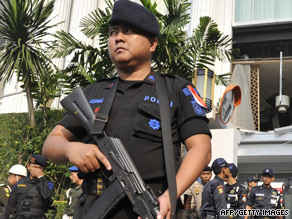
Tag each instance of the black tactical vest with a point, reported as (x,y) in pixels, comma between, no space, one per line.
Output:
(29,200)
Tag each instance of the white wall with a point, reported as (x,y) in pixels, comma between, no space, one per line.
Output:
(225,144)
(13,103)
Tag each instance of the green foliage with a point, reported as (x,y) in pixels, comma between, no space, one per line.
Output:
(18,141)
(176,53)
(58,212)
(88,64)
(23,26)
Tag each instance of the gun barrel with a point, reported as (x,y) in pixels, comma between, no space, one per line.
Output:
(129,165)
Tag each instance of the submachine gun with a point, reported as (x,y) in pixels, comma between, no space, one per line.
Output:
(125,178)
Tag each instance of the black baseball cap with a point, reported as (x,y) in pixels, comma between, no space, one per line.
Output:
(233,169)
(252,179)
(136,15)
(207,168)
(268,171)
(38,159)
(218,164)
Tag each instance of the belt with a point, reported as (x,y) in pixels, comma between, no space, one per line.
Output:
(94,186)
(158,185)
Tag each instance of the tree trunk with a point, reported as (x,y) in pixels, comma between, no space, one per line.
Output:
(30,106)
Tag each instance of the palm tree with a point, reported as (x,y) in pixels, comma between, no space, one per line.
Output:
(175,53)
(23,26)
(88,64)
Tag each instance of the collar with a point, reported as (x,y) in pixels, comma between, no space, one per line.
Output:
(150,79)
(8,183)
(220,179)
(111,83)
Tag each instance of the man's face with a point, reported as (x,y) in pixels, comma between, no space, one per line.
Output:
(35,170)
(15,179)
(226,172)
(128,47)
(74,177)
(206,176)
(267,179)
(253,184)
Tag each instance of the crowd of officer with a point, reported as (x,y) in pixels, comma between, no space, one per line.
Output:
(221,196)
(28,195)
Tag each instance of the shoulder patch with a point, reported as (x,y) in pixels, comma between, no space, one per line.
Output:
(220,189)
(7,190)
(50,185)
(197,192)
(198,104)
(190,90)
(244,197)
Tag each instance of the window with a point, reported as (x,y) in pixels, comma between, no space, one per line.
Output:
(250,11)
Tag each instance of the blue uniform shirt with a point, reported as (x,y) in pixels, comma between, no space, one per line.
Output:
(214,198)
(264,198)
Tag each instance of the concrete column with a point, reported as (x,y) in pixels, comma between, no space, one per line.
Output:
(225,144)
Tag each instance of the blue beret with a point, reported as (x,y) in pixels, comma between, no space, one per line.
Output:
(218,164)
(131,13)
(38,159)
(73,169)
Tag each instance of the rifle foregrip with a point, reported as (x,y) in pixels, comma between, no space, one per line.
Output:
(77,104)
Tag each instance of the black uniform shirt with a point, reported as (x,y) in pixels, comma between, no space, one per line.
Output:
(22,195)
(135,119)
(214,198)
(264,198)
(236,196)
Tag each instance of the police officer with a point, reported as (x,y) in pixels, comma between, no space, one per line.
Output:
(196,189)
(31,196)
(214,196)
(16,172)
(251,182)
(134,115)
(264,197)
(235,192)
(73,193)
(287,184)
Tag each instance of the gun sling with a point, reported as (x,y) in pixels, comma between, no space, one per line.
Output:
(108,199)
(167,141)
(98,126)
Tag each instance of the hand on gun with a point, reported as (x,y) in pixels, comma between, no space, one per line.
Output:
(87,157)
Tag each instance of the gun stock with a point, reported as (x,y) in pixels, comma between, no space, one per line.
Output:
(76,103)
